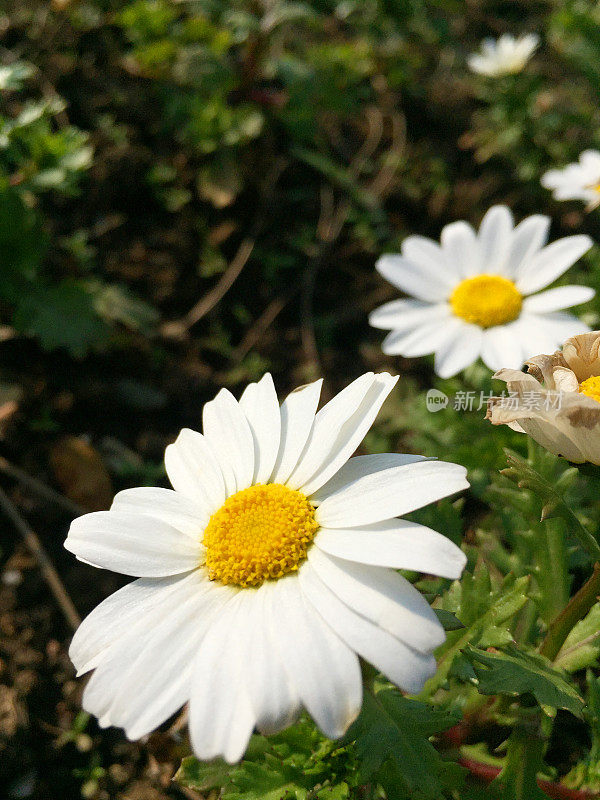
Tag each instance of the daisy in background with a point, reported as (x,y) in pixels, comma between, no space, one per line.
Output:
(503,56)
(473,295)
(265,573)
(580,181)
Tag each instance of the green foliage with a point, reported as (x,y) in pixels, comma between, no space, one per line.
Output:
(524,759)
(391,742)
(70,313)
(581,648)
(586,774)
(485,612)
(36,155)
(61,316)
(515,671)
(388,745)
(551,494)
(298,763)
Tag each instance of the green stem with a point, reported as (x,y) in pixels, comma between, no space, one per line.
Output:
(577,607)
(552,574)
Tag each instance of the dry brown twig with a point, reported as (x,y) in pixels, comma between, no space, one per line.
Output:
(33,543)
(179,329)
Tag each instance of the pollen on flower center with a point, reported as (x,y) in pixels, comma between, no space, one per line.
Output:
(591,387)
(486,300)
(258,534)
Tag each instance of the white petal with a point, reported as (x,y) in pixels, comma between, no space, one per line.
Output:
(552,178)
(553,328)
(495,234)
(528,237)
(221,717)
(460,349)
(153,623)
(338,429)
(390,493)
(115,616)
(323,670)
(359,466)
(590,160)
(156,683)
(533,337)
(430,258)
(556,299)
(194,470)
(297,417)
(402,316)
(550,262)
(168,506)
(404,666)
(424,339)
(397,543)
(461,246)
(261,407)
(382,596)
(413,279)
(133,544)
(114,661)
(227,430)
(502,347)
(275,701)
(484,65)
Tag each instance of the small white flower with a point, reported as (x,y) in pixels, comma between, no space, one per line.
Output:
(266,573)
(579,181)
(504,56)
(472,293)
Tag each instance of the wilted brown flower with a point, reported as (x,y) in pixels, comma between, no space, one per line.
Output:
(557,402)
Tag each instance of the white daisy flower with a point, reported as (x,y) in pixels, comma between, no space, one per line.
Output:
(474,293)
(504,56)
(579,181)
(266,573)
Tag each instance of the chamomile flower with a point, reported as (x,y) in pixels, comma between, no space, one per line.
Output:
(504,56)
(580,181)
(265,573)
(474,295)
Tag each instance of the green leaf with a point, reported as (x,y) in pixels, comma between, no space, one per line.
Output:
(202,776)
(62,316)
(484,611)
(518,779)
(13,76)
(515,672)
(581,648)
(291,765)
(117,304)
(392,744)
(449,620)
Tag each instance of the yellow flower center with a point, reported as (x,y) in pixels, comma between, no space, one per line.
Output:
(259,534)
(591,387)
(486,300)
